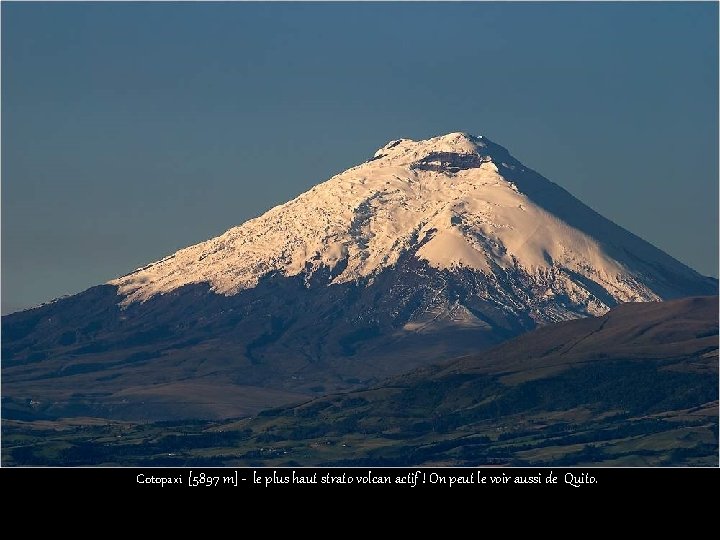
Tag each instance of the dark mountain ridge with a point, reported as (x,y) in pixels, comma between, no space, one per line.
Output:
(431,250)
(637,386)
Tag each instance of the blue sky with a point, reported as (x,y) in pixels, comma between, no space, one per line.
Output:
(130,130)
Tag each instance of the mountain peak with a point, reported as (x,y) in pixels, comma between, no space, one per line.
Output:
(436,248)
(460,138)
(451,143)
(454,203)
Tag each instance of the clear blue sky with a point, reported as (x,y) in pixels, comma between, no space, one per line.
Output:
(130,130)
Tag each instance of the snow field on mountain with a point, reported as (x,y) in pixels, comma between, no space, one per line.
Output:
(443,201)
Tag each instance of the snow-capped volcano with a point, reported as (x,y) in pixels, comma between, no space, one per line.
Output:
(429,250)
(454,201)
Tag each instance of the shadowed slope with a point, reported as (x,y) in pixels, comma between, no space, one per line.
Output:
(637,386)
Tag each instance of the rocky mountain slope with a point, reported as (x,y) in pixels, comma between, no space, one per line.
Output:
(429,250)
(636,386)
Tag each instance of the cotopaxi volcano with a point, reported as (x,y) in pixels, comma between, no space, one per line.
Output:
(430,249)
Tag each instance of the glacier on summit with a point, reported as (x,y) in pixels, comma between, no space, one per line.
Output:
(456,202)
(430,250)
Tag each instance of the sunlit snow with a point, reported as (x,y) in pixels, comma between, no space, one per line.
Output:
(443,200)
